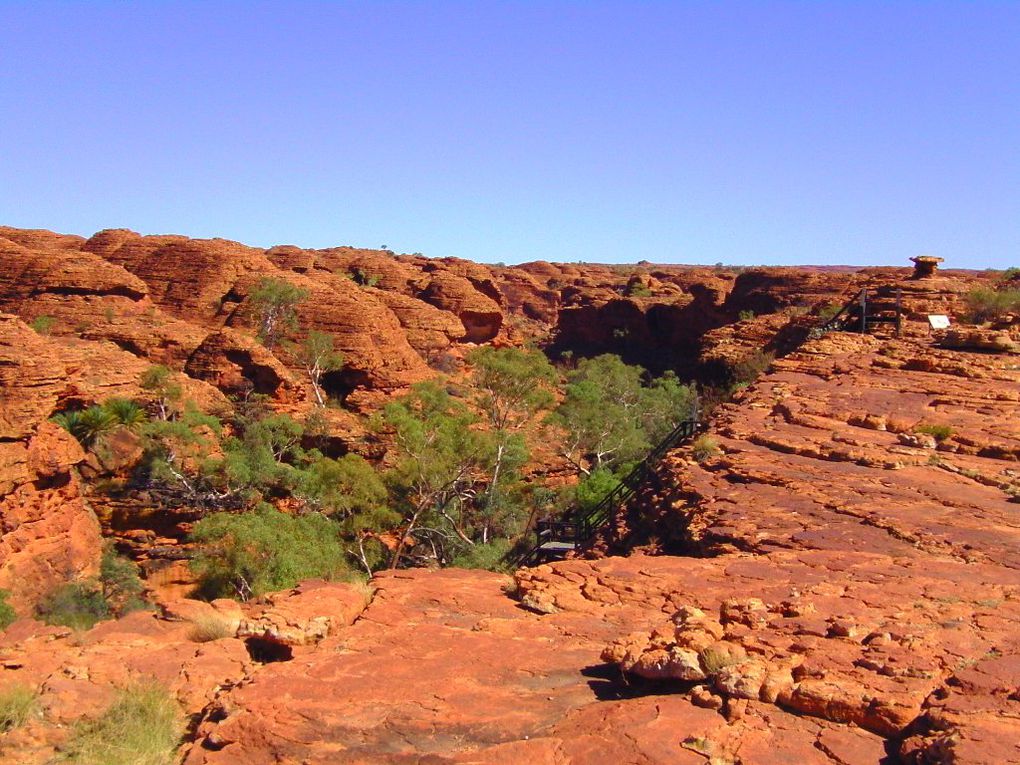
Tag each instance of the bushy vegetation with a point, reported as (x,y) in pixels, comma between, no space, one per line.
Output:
(704,447)
(248,554)
(748,369)
(985,304)
(638,289)
(612,418)
(143,726)
(18,704)
(274,305)
(81,605)
(205,629)
(91,424)
(272,508)
(78,605)
(937,431)
(7,613)
(317,356)
(43,325)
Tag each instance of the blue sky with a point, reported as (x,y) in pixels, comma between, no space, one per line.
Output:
(747,133)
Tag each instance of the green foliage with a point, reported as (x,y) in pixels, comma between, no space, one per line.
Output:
(43,325)
(119,583)
(611,418)
(638,289)
(18,704)
(90,425)
(350,490)
(78,605)
(125,412)
(274,302)
(600,413)
(938,432)
(1011,274)
(704,447)
(745,315)
(828,311)
(594,487)
(514,383)
(990,305)
(491,556)
(253,553)
(143,726)
(159,381)
(86,425)
(7,613)
(261,461)
(363,278)
(441,460)
(664,404)
(316,353)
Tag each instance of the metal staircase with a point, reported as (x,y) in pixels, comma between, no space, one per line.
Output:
(555,539)
(868,310)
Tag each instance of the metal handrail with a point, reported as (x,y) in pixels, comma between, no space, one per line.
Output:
(583,525)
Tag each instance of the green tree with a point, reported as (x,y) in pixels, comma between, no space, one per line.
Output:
(275,302)
(664,404)
(601,414)
(440,462)
(176,457)
(317,355)
(246,555)
(513,386)
(119,582)
(350,491)
(159,382)
(594,487)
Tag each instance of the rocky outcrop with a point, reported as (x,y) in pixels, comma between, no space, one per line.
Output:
(47,533)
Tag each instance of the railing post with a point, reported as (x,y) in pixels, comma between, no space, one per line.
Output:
(864,310)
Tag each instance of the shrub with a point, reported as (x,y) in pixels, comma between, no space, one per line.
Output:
(121,586)
(43,325)
(253,553)
(7,613)
(363,278)
(94,422)
(750,367)
(78,605)
(745,315)
(125,411)
(205,629)
(18,704)
(988,305)
(637,289)
(704,447)
(491,556)
(143,726)
(938,432)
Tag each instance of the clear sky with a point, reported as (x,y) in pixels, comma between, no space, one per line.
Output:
(746,133)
